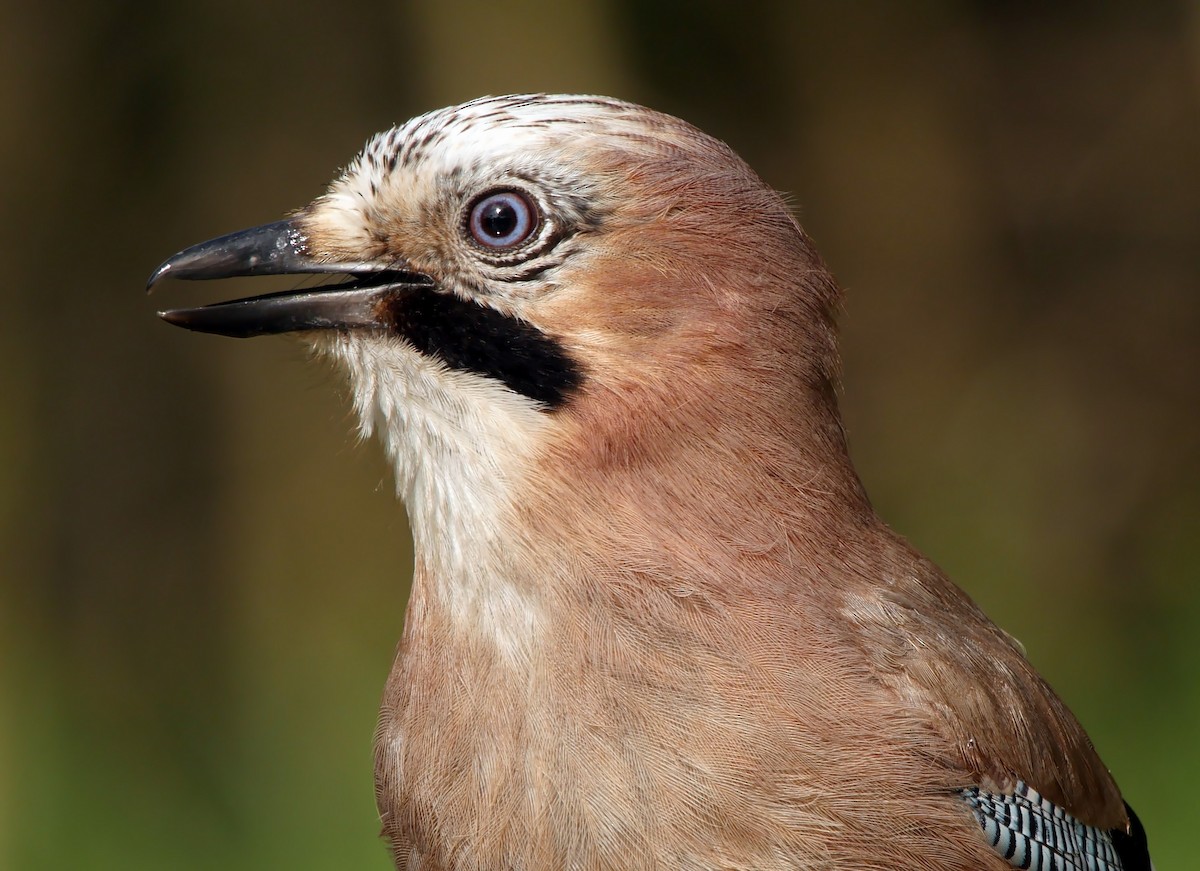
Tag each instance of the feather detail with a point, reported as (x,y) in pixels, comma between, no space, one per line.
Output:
(1033,833)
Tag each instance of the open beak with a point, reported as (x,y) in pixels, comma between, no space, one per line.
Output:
(281,248)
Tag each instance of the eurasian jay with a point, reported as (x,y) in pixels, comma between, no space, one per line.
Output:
(654,622)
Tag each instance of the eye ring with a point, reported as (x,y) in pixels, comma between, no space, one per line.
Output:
(502,219)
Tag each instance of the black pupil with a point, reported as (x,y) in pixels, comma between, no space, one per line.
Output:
(499,219)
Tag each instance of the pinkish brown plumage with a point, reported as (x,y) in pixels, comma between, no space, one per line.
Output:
(655,621)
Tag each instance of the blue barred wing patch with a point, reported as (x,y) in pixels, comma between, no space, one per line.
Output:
(1032,832)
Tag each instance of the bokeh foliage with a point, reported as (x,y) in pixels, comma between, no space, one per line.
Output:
(202,574)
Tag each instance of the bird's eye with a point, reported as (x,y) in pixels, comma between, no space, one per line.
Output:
(502,219)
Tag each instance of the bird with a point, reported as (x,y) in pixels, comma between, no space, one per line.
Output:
(655,621)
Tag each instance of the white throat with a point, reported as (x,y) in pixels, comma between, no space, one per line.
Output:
(459,444)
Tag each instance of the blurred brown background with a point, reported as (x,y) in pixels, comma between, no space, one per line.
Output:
(202,575)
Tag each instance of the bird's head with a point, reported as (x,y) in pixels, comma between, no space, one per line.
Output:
(537,281)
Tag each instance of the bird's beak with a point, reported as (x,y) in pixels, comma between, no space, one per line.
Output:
(282,249)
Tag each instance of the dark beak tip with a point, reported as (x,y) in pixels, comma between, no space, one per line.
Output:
(271,249)
(280,249)
(156,276)
(180,317)
(221,319)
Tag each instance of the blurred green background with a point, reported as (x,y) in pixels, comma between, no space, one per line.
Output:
(202,574)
